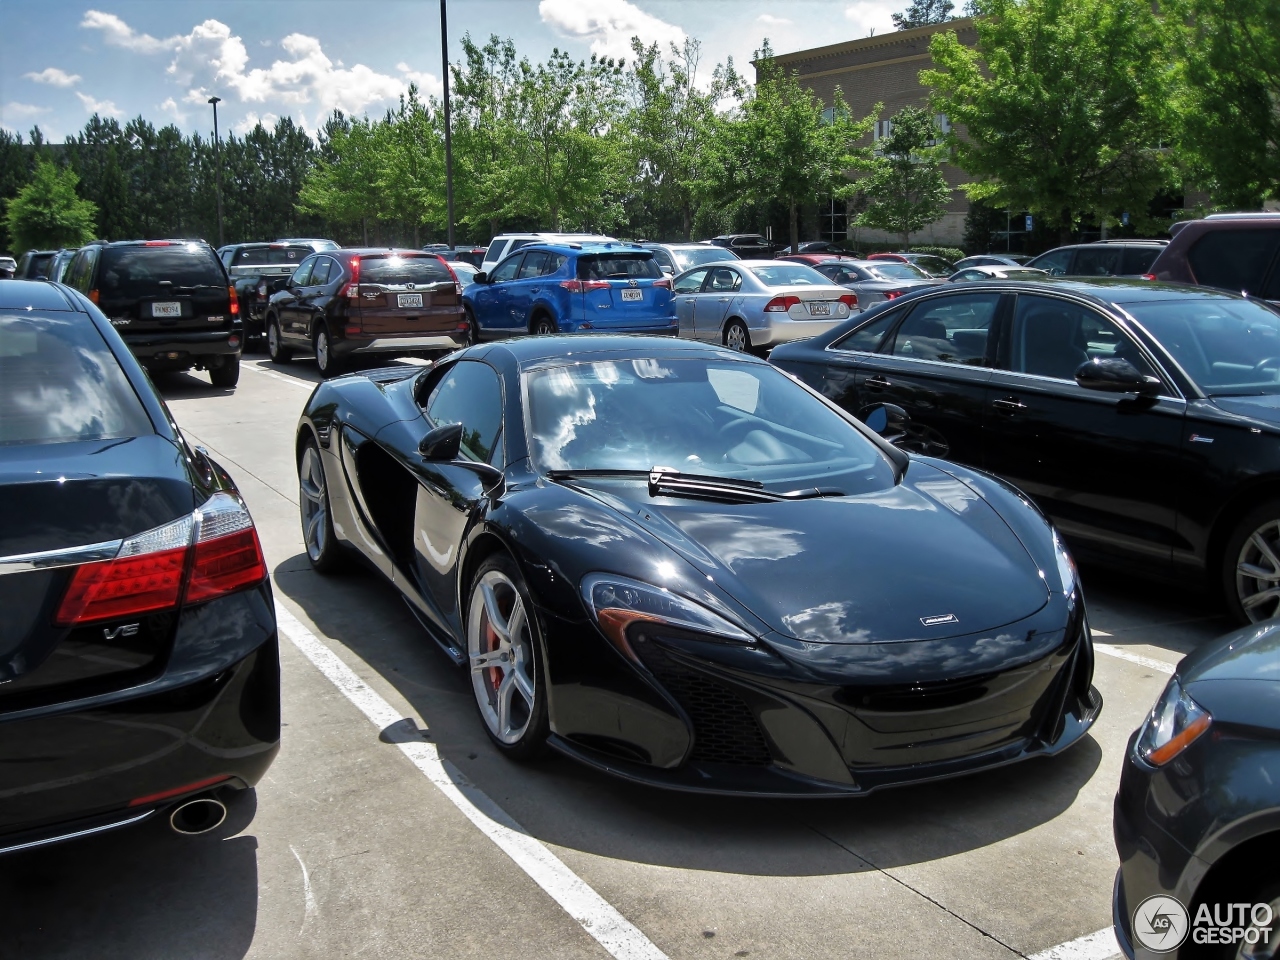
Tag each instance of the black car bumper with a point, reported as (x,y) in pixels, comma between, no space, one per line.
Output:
(170,349)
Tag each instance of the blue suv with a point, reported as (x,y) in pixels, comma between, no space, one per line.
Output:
(571,288)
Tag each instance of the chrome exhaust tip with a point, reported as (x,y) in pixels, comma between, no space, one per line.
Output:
(198,816)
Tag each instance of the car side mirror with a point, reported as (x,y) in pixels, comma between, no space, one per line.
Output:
(481,277)
(887,419)
(1116,375)
(441,444)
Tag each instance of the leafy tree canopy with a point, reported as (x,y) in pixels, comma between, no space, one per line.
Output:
(906,190)
(47,214)
(921,13)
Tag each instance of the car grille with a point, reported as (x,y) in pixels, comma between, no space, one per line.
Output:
(725,729)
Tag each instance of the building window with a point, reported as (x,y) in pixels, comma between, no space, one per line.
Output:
(833,220)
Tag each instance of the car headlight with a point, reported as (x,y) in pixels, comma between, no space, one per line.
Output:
(1176,721)
(618,602)
(1067,574)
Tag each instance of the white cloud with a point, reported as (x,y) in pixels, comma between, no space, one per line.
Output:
(103,108)
(117,33)
(872,16)
(251,120)
(608,24)
(21,111)
(428,83)
(54,77)
(170,106)
(770,20)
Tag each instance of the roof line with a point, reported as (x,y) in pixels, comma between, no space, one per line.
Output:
(869,43)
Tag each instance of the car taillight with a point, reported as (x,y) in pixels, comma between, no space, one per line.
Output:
(262,289)
(215,548)
(157,243)
(93,296)
(893,294)
(665,283)
(582,286)
(781,304)
(235,302)
(457,285)
(352,290)
(850,300)
(1148,276)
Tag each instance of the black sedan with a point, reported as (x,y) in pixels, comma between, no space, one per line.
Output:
(1141,417)
(1197,816)
(676,564)
(139,674)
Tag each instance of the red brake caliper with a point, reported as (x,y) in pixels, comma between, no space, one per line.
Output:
(491,637)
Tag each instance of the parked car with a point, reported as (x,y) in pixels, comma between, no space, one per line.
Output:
(8,266)
(874,281)
(258,270)
(755,305)
(748,246)
(316,245)
(571,288)
(506,244)
(815,246)
(139,671)
(465,272)
(1141,417)
(993,260)
(34,265)
(1231,251)
(469,253)
(676,258)
(1107,258)
(362,302)
(1004,272)
(932,266)
(58,265)
(1197,815)
(806,611)
(171,301)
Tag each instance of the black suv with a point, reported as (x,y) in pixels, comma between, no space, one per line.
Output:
(171,300)
(1106,258)
(34,265)
(748,246)
(258,270)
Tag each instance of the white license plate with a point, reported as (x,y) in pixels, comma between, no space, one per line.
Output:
(819,308)
(166,309)
(632,295)
(408,299)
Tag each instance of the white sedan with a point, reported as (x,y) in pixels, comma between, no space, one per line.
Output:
(757,304)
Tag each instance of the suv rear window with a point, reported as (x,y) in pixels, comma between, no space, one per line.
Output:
(619,266)
(59,381)
(1234,260)
(1138,260)
(394,270)
(136,271)
(270,256)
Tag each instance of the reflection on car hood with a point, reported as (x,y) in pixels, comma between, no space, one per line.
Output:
(1265,407)
(927,559)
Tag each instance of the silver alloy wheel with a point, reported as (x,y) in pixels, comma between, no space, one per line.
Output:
(1268,947)
(543,327)
(735,338)
(322,349)
(273,339)
(314,505)
(500,646)
(1258,573)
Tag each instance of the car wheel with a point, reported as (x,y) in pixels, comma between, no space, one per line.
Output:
(276,350)
(227,375)
(473,331)
(1251,566)
(544,326)
(736,337)
(323,550)
(505,657)
(326,362)
(1266,945)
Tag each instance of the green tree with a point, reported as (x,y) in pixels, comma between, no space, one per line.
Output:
(1064,106)
(101,157)
(922,13)
(17,161)
(342,187)
(906,190)
(47,213)
(410,165)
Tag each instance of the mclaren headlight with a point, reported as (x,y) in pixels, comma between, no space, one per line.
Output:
(1176,721)
(618,602)
(1067,574)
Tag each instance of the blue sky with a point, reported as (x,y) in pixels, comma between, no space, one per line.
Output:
(62,61)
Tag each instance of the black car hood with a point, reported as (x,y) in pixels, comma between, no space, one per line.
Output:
(925,560)
(1266,407)
(1250,653)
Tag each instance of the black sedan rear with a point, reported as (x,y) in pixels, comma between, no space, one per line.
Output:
(139,671)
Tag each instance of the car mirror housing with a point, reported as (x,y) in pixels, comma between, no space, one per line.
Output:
(441,444)
(887,419)
(1116,375)
(481,277)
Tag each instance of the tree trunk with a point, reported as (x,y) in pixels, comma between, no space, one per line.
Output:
(686,221)
(417,241)
(906,240)
(795,226)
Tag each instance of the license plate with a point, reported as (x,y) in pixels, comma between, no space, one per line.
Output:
(632,295)
(166,309)
(408,299)
(819,308)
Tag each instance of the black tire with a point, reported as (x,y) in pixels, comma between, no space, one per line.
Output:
(276,349)
(1241,549)
(473,330)
(227,375)
(736,336)
(1250,890)
(322,347)
(530,743)
(543,326)
(323,550)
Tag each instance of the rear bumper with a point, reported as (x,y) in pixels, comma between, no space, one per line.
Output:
(168,347)
(662,326)
(346,348)
(773,332)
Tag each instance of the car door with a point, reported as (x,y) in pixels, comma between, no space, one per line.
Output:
(836,377)
(490,300)
(469,393)
(722,286)
(524,288)
(935,365)
(312,302)
(685,295)
(288,306)
(1105,467)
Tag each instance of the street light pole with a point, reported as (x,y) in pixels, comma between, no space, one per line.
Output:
(217,160)
(448,125)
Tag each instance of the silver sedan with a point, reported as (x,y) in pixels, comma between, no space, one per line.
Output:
(757,304)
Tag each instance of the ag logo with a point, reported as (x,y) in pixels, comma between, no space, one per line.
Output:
(1160,923)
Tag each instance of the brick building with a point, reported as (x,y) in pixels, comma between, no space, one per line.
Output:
(886,70)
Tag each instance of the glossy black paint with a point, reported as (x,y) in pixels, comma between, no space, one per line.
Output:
(1207,825)
(1156,482)
(847,688)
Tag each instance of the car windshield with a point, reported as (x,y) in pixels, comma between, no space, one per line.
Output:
(710,417)
(270,256)
(935,265)
(396,270)
(689,257)
(789,275)
(137,271)
(892,270)
(1014,273)
(1228,347)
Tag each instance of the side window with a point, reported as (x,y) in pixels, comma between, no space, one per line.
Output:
(1138,260)
(471,395)
(948,329)
(1052,337)
(534,261)
(496,250)
(320,272)
(663,258)
(506,270)
(302,276)
(227,256)
(867,337)
(1056,263)
(553,264)
(724,280)
(517,244)
(1097,261)
(1234,260)
(691,282)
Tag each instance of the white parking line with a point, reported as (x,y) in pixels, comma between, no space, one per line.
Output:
(304,384)
(1120,654)
(596,915)
(1101,945)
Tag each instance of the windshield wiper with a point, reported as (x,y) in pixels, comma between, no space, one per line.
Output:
(669,482)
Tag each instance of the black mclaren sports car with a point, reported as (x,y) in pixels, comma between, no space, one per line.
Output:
(682,566)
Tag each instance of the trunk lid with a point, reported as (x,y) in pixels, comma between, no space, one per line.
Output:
(624,289)
(158,285)
(405,295)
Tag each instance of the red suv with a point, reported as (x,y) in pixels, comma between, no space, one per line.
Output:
(1239,252)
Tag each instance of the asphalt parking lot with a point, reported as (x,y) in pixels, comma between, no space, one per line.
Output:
(364,839)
